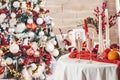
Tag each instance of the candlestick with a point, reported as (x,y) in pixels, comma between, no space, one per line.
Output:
(101,47)
(107,29)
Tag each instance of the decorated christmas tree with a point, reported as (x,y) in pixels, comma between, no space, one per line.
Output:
(27,43)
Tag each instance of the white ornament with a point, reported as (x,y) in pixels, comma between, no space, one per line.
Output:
(11,29)
(16,4)
(53,41)
(39,21)
(23,5)
(31,35)
(26,74)
(49,47)
(13,15)
(3,63)
(34,46)
(14,48)
(9,61)
(33,66)
(36,54)
(30,20)
(41,33)
(40,70)
(55,52)
(12,22)
(3,16)
(35,1)
(36,9)
(25,42)
(44,38)
(20,27)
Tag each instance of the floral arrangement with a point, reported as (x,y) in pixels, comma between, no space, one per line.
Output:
(97,12)
(27,43)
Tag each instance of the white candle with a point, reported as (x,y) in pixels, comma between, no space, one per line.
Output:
(118,19)
(101,47)
(107,29)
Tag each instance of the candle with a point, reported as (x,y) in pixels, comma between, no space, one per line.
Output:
(86,28)
(100,49)
(118,19)
(107,29)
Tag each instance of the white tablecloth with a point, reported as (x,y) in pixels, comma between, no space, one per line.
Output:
(70,69)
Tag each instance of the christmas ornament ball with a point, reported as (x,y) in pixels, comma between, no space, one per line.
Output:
(13,15)
(30,20)
(55,52)
(9,61)
(33,66)
(49,47)
(14,48)
(36,54)
(39,20)
(16,4)
(20,27)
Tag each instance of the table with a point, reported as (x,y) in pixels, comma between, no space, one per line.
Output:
(70,69)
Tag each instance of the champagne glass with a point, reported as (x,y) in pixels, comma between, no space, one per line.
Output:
(78,36)
(90,45)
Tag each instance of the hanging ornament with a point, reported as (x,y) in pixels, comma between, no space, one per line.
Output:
(30,20)
(14,48)
(53,41)
(13,15)
(20,27)
(36,9)
(33,66)
(9,61)
(23,5)
(28,6)
(49,47)
(39,20)
(2,17)
(36,54)
(41,33)
(34,46)
(12,22)
(31,35)
(55,52)
(30,52)
(11,30)
(16,4)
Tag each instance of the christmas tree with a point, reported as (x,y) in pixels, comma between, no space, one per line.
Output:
(27,43)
